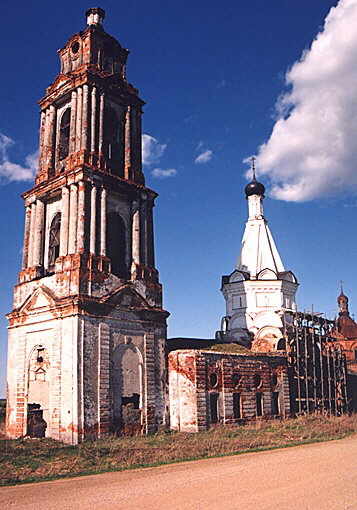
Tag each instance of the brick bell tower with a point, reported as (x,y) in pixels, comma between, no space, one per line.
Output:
(87,331)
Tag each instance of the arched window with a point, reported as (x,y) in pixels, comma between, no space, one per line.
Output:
(281,345)
(64,134)
(116,244)
(54,241)
(113,141)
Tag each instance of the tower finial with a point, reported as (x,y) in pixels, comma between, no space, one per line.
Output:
(253,167)
(254,187)
(342,301)
(95,16)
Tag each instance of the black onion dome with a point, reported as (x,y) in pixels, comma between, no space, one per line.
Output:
(254,188)
(342,297)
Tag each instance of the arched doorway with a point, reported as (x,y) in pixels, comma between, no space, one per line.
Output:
(38,392)
(127,389)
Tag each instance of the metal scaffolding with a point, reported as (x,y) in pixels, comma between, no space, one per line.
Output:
(317,366)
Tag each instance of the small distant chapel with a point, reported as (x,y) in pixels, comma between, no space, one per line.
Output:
(87,330)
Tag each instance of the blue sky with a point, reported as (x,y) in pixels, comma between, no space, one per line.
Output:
(211,74)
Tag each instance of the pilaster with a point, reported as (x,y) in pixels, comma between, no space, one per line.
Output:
(149,383)
(104,400)
(64,222)
(73,219)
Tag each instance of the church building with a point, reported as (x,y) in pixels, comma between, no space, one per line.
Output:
(88,353)
(87,331)
(260,291)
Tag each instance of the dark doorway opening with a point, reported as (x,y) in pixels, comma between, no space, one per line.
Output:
(275,403)
(213,401)
(36,425)
(259,404)
(134,399)
(236,406)
(131,415)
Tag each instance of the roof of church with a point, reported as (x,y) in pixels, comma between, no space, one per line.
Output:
(254,188)
(347,327)
(259,250)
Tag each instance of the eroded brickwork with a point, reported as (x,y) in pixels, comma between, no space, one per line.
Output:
(208,388)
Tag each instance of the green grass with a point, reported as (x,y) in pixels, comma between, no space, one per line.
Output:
(29,460)
(2,417)
(228,348)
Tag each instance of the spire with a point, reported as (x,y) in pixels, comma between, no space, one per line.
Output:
(341,285)
(258,247)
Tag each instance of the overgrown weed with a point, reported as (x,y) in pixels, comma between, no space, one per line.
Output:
(38,459)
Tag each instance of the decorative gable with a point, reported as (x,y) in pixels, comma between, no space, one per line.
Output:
(127,297)
(40,299)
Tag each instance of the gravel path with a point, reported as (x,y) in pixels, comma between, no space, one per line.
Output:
(320,476)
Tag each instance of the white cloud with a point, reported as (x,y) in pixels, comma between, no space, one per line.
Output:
(10,171)
(312,150)
(162,174)
(152,150)
(204,157)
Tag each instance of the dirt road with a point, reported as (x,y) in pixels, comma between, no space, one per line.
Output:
(319,476)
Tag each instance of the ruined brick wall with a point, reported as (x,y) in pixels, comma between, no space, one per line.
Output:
(122,358)
(207,388)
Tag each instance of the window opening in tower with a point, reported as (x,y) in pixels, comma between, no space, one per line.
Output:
(116,244)
(54,241)
(113,143)
(64,134)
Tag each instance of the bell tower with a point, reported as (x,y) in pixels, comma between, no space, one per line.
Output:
(88,297)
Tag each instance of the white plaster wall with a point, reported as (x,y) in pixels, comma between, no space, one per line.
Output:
(174,400)
(182,394)
(260,300)
(42,335)
(13,368)
(58,337)
(68,343)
